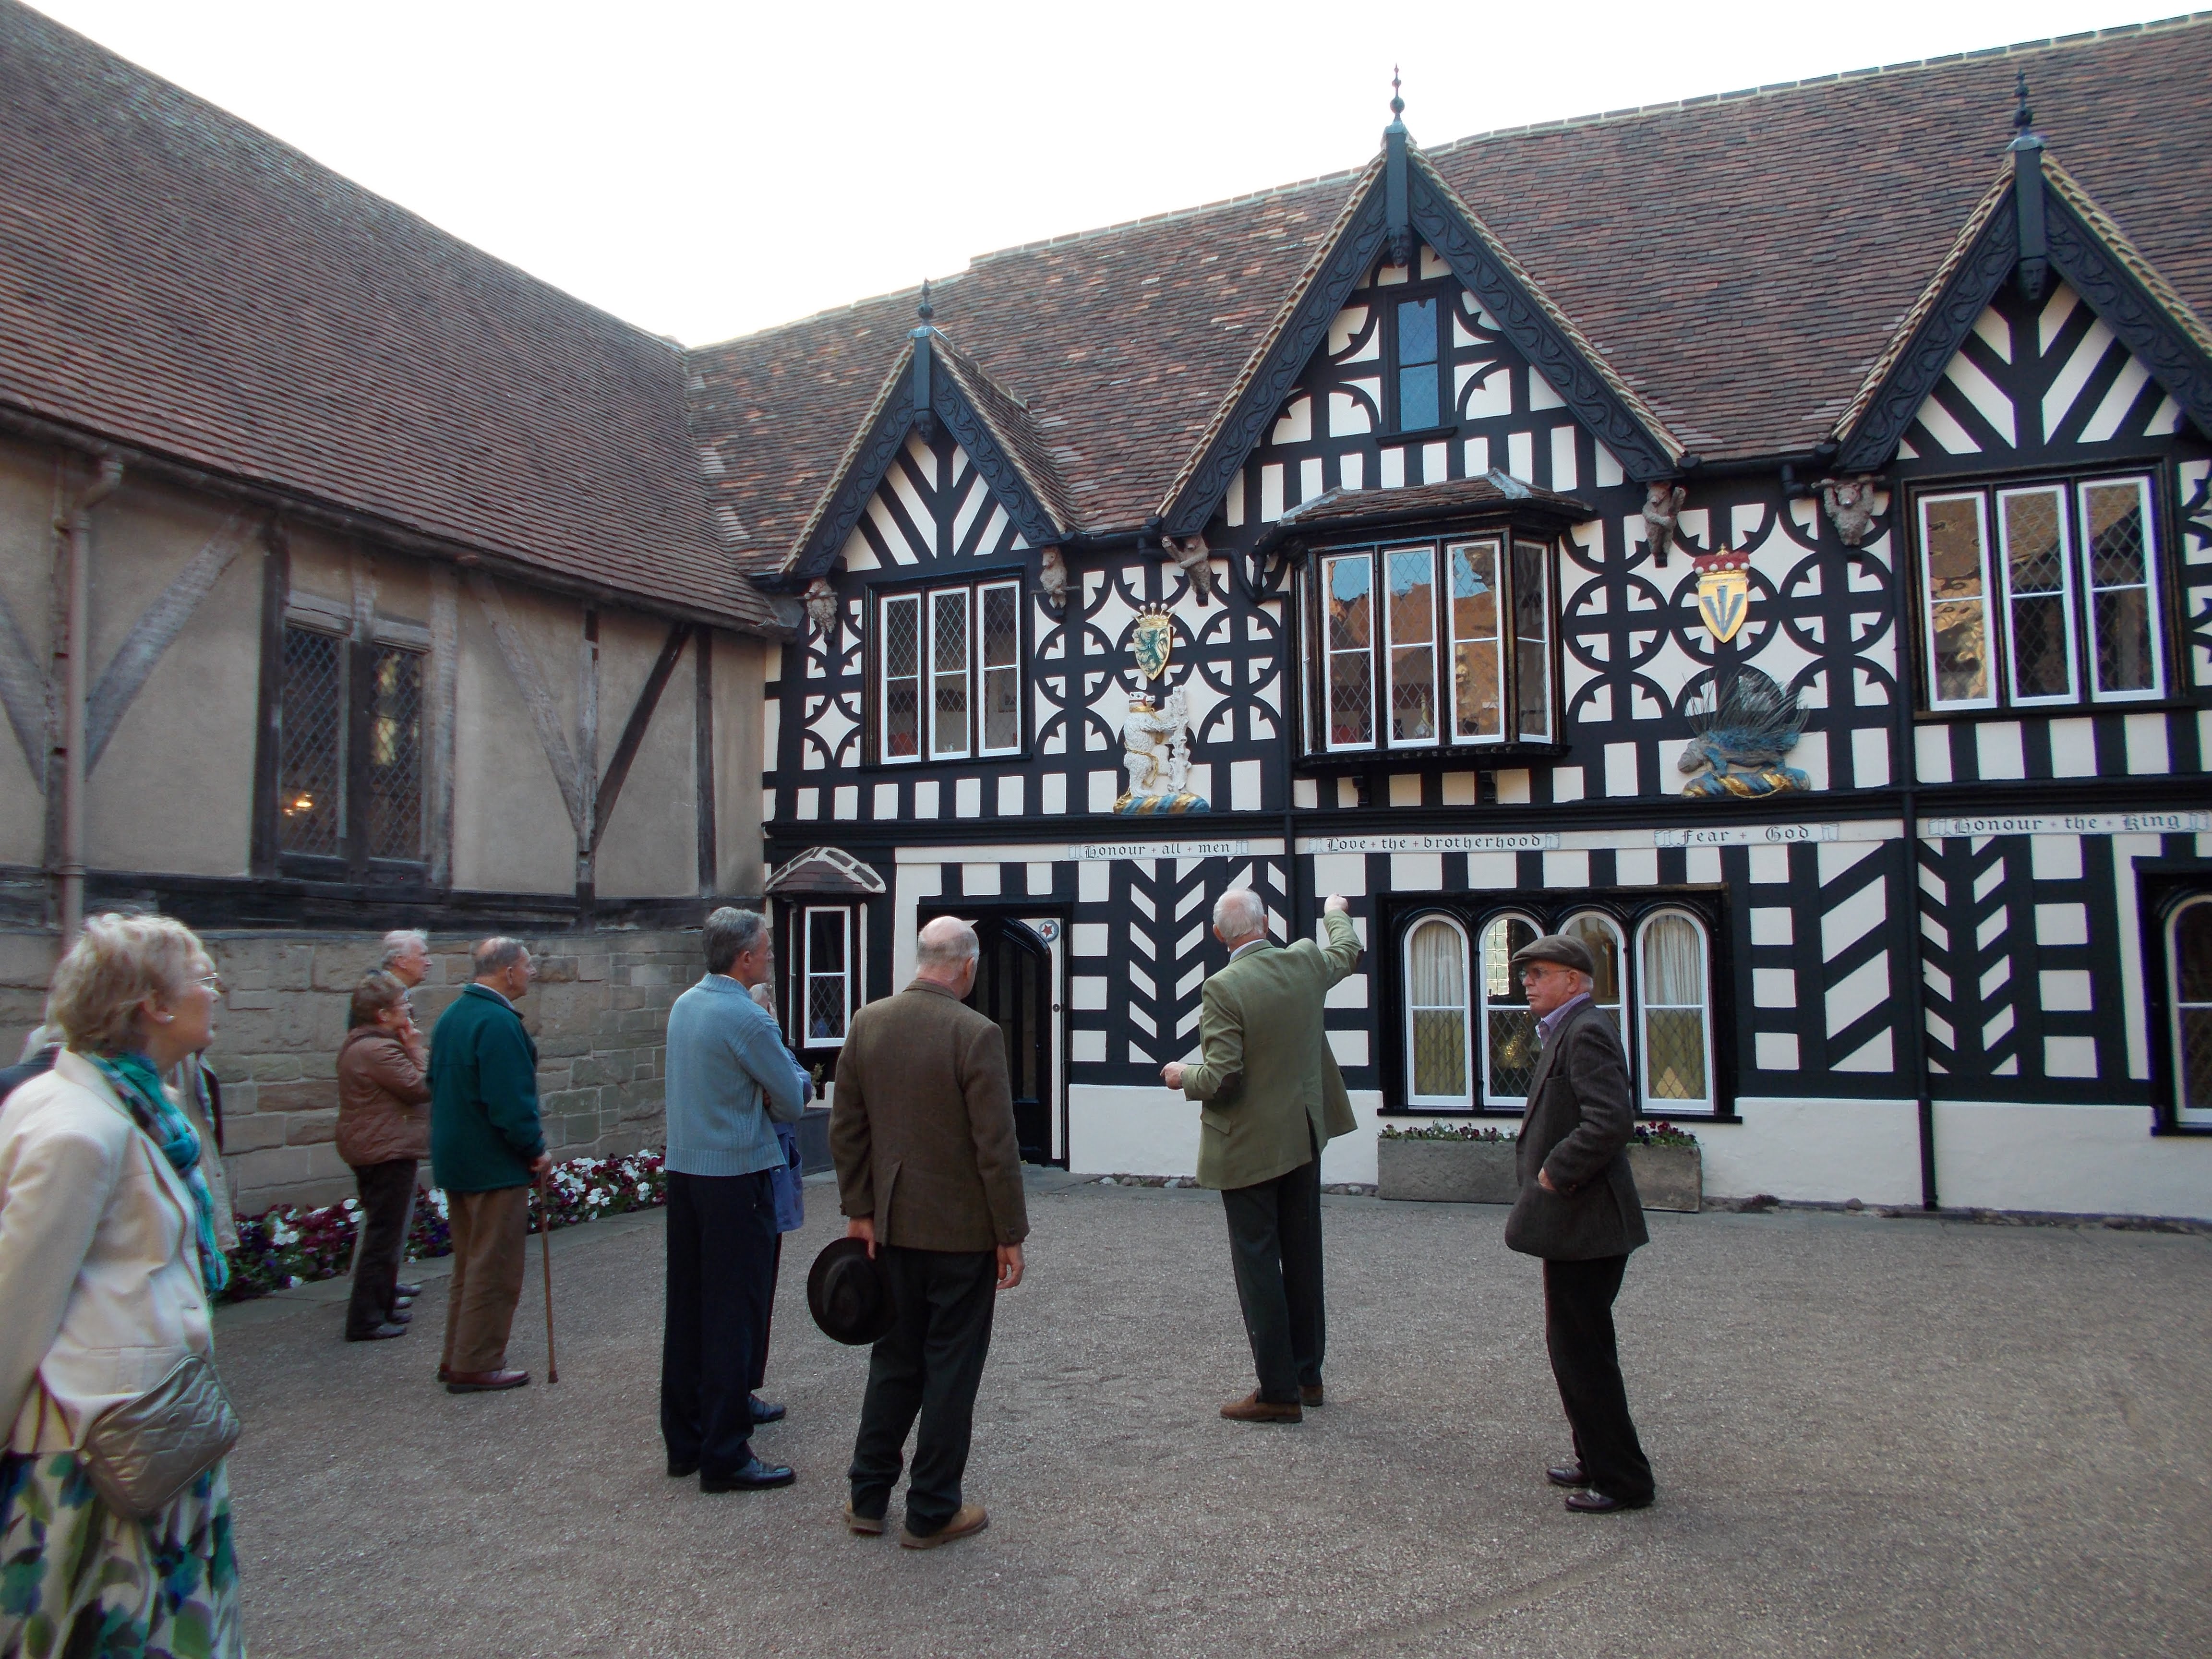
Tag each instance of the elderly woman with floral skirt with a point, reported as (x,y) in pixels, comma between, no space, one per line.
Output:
(108,1271)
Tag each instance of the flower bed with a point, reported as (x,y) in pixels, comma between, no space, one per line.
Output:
(1660,1132)
(1482,1131)
(287,1247)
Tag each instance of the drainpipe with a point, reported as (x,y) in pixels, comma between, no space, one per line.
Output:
(77,646)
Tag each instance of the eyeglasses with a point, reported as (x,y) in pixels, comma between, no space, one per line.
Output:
(210,983)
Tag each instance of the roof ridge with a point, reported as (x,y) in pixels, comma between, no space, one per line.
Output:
(2086,37)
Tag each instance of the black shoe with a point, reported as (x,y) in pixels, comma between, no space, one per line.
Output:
(383,1333)
(1567,1474)
(763,1411)
(407,1290)
(1594,1502)
(678,1470)
(751,1476)
(400,1316)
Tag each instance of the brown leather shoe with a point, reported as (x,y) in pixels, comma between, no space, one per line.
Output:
(1567,1474)
(1309,1394)
(445,1373)
(965,1523)
(484,1381)
(1252,1409)
(862,1526)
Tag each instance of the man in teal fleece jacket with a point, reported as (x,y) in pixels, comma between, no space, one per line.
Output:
(487,1146)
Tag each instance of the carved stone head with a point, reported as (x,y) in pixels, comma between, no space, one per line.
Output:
(822,606)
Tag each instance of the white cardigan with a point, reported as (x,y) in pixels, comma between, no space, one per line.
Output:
(99,1278)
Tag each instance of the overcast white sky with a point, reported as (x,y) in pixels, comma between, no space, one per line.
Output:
(705,170)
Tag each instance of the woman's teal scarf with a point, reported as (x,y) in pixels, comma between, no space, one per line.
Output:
(149,1104)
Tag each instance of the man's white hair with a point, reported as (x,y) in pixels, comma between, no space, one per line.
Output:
(1238,913)
(397,941)
(947,942)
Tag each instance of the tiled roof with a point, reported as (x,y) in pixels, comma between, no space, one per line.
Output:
(176,281)
(1737,264)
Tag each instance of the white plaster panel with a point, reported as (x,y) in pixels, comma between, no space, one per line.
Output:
(2071,1159)
(1416,873)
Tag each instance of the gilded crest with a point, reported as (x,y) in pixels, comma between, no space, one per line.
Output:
(1724,593)
(1151,643)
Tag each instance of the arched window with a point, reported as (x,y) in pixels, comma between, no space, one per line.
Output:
(1677,1035)
(1602,935)
(1510,1040)
(2189,971)
(1437,1006)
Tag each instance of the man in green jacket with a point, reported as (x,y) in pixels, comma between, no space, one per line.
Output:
(487,1146)
(1272,1098)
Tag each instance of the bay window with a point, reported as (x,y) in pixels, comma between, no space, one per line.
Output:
(2041,593)
(1433,644)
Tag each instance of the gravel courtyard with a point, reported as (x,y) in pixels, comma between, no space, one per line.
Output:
(1871,1435)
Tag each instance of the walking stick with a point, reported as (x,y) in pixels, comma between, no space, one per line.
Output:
(546,1254)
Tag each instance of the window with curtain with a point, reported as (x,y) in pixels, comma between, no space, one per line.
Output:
(2189,977)
(2040,594)
(1436,1012)
(349,750)
(827,975)
(948,673)
(1675,1046)
(1462,654)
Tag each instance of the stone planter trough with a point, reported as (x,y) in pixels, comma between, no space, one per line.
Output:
(1668,1177)
(1446,1171)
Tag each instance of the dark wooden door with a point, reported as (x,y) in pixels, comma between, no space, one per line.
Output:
(1014,988)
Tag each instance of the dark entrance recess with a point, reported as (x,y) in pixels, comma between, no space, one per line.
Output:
(1014,990)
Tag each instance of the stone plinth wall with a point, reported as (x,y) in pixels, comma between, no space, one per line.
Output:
(599,1012)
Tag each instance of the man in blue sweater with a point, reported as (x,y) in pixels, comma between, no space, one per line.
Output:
(729,1075)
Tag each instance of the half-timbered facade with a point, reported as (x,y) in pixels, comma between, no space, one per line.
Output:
(1790,575)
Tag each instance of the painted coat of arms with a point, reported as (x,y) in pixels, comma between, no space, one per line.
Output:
(1151,643)
(1723,591)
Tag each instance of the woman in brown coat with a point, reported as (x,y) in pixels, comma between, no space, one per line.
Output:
(384,1130)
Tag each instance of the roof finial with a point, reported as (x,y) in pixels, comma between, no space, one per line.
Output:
(925,309)
(2022,116)
(1397,104)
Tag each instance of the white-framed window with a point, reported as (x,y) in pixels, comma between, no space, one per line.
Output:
(949,667)
(1437,1013)
(1676,1035)
(2040,594)
(1460,654)
(2189,980)
(826,975)
(1652,979)
(1510,1042)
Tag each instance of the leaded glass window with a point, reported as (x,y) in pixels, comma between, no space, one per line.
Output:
(1348,629)
(1602,936)
(828,976)
(949,667)
(1410,607)
(1510,1042)
(2040,594)
(902,669)
(999,629)
(1437,1011)
(312,750)
(948,674)
(394,806)
(2189,973)
(1956,582)
(1464,660)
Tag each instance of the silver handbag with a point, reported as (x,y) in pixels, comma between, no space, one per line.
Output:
(143,1453)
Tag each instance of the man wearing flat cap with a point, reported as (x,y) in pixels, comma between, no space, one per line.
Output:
(1578,1210)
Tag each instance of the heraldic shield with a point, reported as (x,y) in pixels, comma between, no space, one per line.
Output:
(1151,643)
(1724,593)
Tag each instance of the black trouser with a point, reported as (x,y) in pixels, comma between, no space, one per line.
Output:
(1578,1332)
(722,1255)
(931,1363)
(768,1317)
(1274,1241)
(387,1207)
